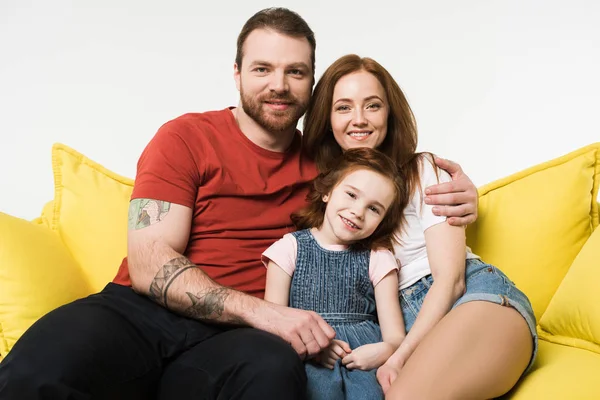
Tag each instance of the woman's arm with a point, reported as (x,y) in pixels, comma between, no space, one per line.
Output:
(446,250)
(277,289)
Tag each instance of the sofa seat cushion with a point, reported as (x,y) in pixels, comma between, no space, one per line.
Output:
(533,224)
(37,274)
(560,373)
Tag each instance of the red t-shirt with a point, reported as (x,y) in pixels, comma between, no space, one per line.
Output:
(241,194)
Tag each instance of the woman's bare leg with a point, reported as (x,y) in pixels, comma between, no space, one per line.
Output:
(477,351)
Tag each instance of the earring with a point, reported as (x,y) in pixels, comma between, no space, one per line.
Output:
(325,198)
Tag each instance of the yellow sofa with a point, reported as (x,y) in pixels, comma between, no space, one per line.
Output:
(538,225)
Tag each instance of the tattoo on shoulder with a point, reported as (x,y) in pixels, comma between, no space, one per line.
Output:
(146,212)
(165,277)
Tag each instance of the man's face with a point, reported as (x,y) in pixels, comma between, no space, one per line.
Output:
(275,79)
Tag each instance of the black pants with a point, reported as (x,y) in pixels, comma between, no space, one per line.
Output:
(119,345)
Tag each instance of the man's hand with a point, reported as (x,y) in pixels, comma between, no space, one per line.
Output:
(368,356)
(305,331)
(386,375)
(456,200)
(337,349)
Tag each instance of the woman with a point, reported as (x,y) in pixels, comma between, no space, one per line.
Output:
(470,340)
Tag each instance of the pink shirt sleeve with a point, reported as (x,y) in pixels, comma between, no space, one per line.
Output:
(283,253)
(382,262)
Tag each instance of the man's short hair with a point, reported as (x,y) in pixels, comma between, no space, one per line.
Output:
(280,20)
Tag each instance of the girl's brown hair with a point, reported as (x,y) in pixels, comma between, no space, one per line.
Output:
(400,142)
(351,160)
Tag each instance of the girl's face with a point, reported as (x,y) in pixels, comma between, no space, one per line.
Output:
(359,112)
(356,206)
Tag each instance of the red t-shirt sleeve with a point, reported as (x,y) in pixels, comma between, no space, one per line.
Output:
(167,170)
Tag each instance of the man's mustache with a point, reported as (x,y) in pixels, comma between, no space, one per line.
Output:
(279,98)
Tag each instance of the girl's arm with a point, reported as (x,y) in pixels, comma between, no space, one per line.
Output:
(388,310)
(277,288)
(373,355)
(446,250)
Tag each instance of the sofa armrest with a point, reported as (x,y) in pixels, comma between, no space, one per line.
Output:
(37,275)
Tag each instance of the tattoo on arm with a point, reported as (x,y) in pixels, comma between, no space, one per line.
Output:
(146,212)
(205,305)
(210,305)
(165,277)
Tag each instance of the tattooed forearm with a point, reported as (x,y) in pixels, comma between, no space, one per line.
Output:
(235,320)
(207,305)
(165,277)
(146,212)
(210,305)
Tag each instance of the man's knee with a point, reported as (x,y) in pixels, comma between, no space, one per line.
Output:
(239,363)
(268,360)
(68,352)
(19,381)
(269,353)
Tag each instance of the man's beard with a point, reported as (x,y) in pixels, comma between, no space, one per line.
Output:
(273,120)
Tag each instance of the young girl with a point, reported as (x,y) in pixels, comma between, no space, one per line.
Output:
(339,264)
(470,331)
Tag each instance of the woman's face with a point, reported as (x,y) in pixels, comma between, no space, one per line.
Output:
(359,112)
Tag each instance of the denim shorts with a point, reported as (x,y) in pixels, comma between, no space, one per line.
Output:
(484,283)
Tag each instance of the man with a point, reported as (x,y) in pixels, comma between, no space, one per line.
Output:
(185,318)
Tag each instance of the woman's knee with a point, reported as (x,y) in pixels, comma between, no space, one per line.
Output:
(405,392)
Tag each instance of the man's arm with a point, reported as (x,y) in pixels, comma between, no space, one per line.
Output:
(158,235)
(457,199)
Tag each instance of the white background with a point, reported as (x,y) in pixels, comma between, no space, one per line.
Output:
(496,85)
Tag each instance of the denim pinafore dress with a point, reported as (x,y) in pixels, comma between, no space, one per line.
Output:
(336,285)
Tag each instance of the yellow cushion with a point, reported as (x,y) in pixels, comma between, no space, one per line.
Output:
(90,213)
(573,315)
(532,224)
(37,274)
(560,373)
(47,215)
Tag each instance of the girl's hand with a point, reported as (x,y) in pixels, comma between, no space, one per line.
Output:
(386,375)
(336,350)
(368,356)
